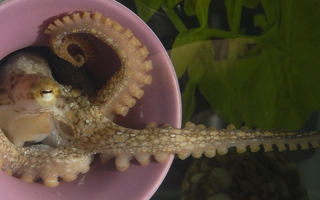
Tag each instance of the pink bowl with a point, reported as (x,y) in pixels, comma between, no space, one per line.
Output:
(22,24)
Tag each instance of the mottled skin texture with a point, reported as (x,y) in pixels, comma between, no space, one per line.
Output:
(76,124)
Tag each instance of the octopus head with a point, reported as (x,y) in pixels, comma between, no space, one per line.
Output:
(27,100)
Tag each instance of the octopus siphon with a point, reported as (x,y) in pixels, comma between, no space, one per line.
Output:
(51,130)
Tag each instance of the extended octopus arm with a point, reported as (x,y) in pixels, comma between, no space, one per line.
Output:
(112,140)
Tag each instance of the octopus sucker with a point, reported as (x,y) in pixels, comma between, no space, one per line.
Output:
(185,154)
(122,162)
(77,124)
(143,158)
(161,157)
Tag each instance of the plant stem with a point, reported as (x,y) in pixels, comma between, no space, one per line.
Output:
(236,18)
(174,18)
(286,9)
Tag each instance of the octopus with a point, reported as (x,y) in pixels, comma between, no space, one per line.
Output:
(51,130)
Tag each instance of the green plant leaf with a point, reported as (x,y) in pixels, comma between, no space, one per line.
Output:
(234,10)
(260,20)
(202,12)
(147,8)
(251,3)
(188,100)
(172,3)
(184,49)
(272,10)
(186,43)
(189,7)
(237,93)
(197,67)
(278,87)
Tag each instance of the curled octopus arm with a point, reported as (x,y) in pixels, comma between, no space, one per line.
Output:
(41,161)
(119,94)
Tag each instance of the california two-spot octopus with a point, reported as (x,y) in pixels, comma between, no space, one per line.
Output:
(52,130)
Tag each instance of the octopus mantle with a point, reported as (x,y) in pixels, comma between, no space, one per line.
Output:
(52,130)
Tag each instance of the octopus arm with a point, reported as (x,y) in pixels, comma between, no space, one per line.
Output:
(125,144)
(42,161)
(119,94)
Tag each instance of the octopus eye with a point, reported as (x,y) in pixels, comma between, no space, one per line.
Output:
(45,91)
(47,94)
(35,91)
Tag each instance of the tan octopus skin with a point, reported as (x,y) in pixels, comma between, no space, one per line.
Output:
(76,125)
